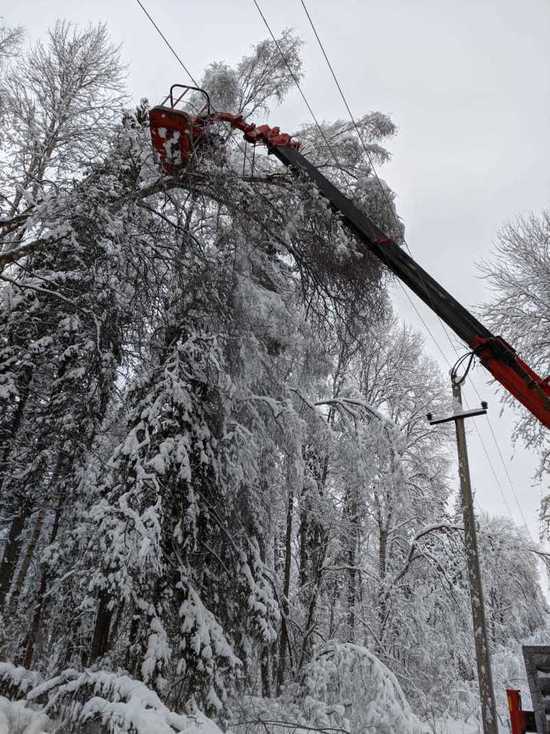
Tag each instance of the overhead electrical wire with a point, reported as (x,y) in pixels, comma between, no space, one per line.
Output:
(351,116)
(167,42)
(390,205)
(468,359)
(298,86)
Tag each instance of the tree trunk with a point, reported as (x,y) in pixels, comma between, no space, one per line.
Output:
(265,672)
(351,559)
(313,549)
(131,653)
(36,621)
(17,585)
(116,623)
(304,538)
(8,435)
(284,639)
(382,592)
(32,634)
(100,640)
(320,543)
(11,554)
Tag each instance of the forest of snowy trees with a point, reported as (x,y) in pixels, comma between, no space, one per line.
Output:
(219,495)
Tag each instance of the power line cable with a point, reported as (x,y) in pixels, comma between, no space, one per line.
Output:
(167,42)
(297,83)
(352,118)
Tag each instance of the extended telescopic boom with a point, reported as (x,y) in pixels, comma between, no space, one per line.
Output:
(175,135)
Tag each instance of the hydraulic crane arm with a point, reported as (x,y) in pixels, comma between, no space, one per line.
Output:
(175,134)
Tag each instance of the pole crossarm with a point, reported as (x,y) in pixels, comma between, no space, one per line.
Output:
(458,415)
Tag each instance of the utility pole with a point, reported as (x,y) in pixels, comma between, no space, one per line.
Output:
(486,691)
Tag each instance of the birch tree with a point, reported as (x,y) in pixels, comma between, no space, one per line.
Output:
(61,99)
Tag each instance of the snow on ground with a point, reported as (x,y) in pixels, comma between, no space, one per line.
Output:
(451,726)
(16,718)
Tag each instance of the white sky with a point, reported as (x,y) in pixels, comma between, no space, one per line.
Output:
(467,83)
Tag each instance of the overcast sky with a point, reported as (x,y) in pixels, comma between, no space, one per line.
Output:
(468,85)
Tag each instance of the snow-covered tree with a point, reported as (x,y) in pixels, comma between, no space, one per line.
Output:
(520,308)
(60,99)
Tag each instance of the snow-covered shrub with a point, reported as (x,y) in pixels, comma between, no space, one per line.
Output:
(348,687)
(16,681)
(89,702)
(344,689)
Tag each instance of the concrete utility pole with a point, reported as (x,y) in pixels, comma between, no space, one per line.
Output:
(486,691)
